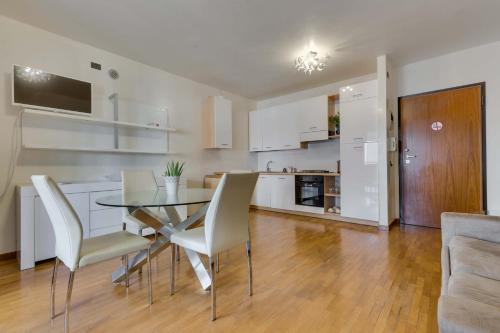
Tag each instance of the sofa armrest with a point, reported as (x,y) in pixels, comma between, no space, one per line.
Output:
(470,225)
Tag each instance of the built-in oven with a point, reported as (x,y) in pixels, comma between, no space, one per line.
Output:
(309,190)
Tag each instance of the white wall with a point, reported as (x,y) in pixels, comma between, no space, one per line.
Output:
(25,45)
(322,155)
(460,68)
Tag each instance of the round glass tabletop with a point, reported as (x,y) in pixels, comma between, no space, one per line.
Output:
(157,198)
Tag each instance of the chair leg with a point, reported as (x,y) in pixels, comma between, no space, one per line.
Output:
(212,288)
(217,267)
(53,289)
(173,248)
(150,283)
(125,266)
(140,268)
(68,301)
(250,275)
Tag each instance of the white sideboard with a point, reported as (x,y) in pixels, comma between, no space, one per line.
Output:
(35,236)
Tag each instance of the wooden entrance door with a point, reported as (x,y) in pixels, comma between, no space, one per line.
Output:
(441,158)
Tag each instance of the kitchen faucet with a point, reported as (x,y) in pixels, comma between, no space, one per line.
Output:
(268,168)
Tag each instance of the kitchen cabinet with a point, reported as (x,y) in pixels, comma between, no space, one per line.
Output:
(279,128)
(275,191)
(359,181)
(283,192)
(358,91)
(262,192)
(313,118)
(359,117)
(254,131)
(218,123)
(45,240)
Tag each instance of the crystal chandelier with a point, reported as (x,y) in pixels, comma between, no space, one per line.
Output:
(311,61)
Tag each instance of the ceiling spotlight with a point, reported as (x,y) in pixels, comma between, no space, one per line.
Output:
(311,61)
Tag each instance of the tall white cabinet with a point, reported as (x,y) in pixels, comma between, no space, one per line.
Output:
(359,151)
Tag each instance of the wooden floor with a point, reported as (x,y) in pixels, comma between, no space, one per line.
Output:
(309,276)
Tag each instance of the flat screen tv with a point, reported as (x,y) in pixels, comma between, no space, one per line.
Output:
(32,87)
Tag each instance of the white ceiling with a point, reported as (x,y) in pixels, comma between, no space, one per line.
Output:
(248,46)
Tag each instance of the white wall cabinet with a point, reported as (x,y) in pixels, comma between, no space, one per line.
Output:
(44,233)
(313,118)
(283,192)
(218,123)
(358,91)
(358,121)
(254,131)
(285,126)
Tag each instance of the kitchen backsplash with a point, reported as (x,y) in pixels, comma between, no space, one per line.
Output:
(319,155)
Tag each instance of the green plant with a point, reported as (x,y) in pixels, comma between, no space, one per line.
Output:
(334,121)
(174,169)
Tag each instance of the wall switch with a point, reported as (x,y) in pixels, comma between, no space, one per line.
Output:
(391,144)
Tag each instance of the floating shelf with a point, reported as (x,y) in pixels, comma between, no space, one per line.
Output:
(332,194)
(333,137)
(100,150)
(97,120)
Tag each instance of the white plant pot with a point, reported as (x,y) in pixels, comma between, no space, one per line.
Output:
(171,185)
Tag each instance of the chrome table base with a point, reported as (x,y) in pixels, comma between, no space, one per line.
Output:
(175,224)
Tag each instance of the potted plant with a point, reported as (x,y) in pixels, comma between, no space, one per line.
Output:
(172,175)
(334,124)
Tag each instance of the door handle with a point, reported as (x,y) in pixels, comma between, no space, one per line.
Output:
(411,156)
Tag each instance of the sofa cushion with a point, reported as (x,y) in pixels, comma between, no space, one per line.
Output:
(475,287)
(463,315)
(475,256)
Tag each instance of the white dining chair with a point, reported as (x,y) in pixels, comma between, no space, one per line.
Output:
(226,226)
(76,252)
(137,181)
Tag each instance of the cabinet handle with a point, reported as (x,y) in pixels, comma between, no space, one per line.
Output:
(288,145)
(358,148)
(357,95)
(268,147)
(313,127)
(224,144)
(358,139)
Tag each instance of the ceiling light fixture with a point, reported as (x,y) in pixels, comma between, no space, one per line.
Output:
(311,61)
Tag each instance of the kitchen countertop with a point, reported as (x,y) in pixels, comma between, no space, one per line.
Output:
(220,173)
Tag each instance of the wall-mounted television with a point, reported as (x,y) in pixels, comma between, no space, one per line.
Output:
(36,88)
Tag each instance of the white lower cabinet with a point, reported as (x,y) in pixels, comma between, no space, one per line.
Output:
(44,233)
(262,192)
(275,191)
(283,192)
(359,181)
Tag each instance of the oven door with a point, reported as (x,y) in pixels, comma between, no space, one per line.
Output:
(309,194)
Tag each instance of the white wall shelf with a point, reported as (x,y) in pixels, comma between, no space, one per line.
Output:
(96,120)
(99,150)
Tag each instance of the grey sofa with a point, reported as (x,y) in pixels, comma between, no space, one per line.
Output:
(470,262)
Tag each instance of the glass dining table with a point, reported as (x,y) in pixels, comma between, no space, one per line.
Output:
(138,204)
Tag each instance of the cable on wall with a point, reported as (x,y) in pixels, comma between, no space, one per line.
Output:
(13,154)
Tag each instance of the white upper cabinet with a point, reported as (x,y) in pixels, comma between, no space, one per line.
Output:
(254,131)
(287,127)
(218,123)
(358,113)
(313,118)
(270,134)
(358,91)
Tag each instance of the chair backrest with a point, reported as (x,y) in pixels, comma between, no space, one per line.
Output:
(226,221)
(65,222)
(137,181)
